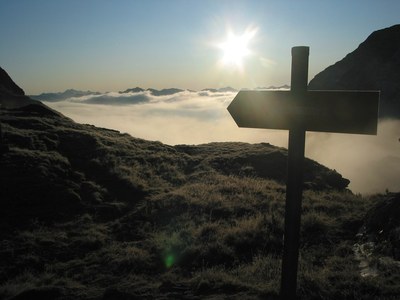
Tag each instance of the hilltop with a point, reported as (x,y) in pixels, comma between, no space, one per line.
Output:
(11,95)
(374,65)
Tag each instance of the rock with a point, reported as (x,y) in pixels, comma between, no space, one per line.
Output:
(8,86)
(385,215)
(11,95)
(382,225)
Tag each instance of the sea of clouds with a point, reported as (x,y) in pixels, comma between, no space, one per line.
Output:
(372,163)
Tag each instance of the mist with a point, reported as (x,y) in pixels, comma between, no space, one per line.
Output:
(372,163)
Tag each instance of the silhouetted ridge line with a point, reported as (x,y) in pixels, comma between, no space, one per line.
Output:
(8,86)
(13,97)
(374,65)
(70,93)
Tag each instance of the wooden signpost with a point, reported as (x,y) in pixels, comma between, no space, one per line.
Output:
(299,110)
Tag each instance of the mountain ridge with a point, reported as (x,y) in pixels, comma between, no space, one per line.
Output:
(373,65)
(8,86)
(13,97)
(72,93)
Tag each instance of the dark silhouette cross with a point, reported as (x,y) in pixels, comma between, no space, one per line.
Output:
(299,110)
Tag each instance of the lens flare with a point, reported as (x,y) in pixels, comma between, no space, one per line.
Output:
(236,47)
(169,261)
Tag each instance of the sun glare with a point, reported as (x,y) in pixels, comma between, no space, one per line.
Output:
(235,47)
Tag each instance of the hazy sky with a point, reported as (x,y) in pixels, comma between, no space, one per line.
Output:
(50,45)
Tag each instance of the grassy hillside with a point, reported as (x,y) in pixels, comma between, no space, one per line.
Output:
(90,213)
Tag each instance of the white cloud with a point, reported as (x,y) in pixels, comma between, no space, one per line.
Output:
(372,163)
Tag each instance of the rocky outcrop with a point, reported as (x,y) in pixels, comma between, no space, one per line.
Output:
(374,65)
(8,86)
(13,97)
(382,225)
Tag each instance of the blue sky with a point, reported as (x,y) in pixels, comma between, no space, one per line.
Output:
(50,45)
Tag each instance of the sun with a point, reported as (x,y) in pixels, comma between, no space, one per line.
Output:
(236,47)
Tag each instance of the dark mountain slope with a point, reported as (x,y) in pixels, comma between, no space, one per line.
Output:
(374,65)
(8,86)
(59,168)
(12,96)
(55,168)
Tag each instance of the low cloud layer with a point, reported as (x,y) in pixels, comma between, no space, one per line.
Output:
(372,163)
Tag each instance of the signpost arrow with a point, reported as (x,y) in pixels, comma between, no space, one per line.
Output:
(299,110)
(326,111)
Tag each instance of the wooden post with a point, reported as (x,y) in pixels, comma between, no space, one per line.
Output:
(300,110)
(294,185)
